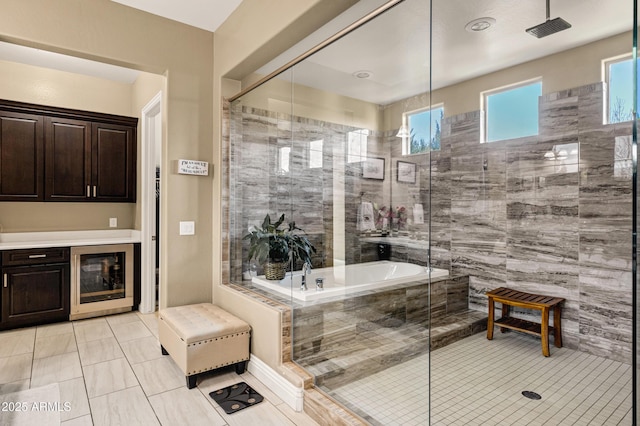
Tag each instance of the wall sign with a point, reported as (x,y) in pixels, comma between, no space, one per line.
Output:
(193,167)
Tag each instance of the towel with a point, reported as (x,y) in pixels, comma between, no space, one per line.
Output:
(418,214)
(365,220)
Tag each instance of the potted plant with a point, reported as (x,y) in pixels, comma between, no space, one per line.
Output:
(273,246)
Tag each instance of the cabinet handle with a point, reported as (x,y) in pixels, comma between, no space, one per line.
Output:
(94,191)
(88,191)
(37,256)
(5,280)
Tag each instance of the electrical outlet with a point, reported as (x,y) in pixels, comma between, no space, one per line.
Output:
(113,222)
(187,228)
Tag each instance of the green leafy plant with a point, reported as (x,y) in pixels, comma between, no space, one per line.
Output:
(277,243)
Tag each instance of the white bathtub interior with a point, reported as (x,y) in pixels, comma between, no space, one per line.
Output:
(349,279)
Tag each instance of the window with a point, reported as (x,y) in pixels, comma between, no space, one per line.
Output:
(315,154)
(422,130)
(619,78)
(511,112)
(357,145)
(283,160)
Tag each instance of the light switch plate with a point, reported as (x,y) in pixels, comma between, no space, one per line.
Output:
(187,228)
(113,222)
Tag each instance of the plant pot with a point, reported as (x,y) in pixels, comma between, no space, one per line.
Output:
(275,270)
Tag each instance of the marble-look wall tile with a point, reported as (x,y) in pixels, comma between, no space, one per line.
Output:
(547,214)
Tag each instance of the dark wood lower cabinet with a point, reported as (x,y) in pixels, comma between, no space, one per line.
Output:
(34,295)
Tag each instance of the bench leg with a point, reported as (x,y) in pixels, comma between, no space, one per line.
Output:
(490,318)
(191,381)
(506,313)
(544,328)
(241,367)
(557,326)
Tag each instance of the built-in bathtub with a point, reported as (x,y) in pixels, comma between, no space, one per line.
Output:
(349,279)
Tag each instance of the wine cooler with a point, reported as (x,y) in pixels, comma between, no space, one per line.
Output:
(101,280)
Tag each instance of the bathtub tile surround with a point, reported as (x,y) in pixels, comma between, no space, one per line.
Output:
(345,340)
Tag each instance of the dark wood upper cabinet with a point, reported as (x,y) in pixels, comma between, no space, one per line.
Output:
(68,159)
(21,157)
(114,162)
(57,154)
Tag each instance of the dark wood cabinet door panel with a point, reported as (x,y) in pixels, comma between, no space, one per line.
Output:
(21,157)
(68,159)
(114,162)
(35,295)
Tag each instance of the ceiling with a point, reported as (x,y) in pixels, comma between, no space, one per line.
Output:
(393,48)
(205,14)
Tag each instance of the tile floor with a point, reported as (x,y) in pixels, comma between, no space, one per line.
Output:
(480,382)
(111,371)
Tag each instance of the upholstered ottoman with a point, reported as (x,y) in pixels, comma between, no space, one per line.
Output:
(203,337)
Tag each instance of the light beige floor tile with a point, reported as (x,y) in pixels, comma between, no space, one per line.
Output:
(185,406)
(263,414)
(151,321)
(140,350)
(57,368)
(17,342)
(122,318)
(80,421)
(159,375)
(130,330)
(31,407)
(92,329)
(14,386)
(54,329)
(74,392)
(299,419)
(125,407)
(14,368)
(96,351)
(109,376)
(55,345)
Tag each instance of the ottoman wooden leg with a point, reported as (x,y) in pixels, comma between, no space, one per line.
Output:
(241,367)
(164,351)
(191,381)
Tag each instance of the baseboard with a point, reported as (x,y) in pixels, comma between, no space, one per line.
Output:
(292,395)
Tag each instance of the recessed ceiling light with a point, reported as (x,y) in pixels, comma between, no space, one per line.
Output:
(480,24)
(362,74)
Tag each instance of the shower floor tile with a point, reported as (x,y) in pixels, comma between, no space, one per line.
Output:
(480,382)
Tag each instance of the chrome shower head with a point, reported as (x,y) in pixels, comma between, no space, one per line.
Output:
(550,26)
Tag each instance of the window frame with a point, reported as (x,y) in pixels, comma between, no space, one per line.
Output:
(406,138)
(484,95)
(606,76)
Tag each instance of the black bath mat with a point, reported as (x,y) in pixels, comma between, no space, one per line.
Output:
(236,397)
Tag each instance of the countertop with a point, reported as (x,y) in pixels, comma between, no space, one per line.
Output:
(26,240)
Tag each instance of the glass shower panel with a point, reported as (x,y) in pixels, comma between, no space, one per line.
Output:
(636,213)
(260,175)
(355,192)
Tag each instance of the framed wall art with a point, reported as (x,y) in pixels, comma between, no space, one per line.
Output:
(373,168)
(406,172)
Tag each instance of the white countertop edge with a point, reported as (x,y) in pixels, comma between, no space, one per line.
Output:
(26,240)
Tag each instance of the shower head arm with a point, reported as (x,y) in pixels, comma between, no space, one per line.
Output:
(548,9)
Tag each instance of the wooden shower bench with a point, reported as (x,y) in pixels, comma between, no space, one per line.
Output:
(509,297)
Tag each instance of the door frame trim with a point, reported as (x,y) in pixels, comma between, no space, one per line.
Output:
(150,112)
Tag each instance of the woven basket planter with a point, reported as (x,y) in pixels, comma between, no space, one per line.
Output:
(275,270)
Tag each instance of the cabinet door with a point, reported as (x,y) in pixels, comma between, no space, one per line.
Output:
(35,295)
(67,159)
(21,157)
(114,162)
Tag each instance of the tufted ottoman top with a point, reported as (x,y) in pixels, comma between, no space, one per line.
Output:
(194,323)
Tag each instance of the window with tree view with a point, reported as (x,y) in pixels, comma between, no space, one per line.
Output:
(620,87)
(424,128)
